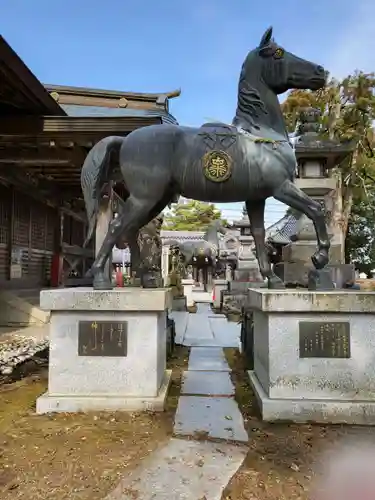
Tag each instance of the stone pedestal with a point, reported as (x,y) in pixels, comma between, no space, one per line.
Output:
(188,285)
(179,303)
(235,297)
(297,272)
(314,355)
(300,252)
(246,256)
(248,275)
(218,285)
(107,350)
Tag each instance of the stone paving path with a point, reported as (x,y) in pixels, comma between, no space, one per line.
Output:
(182,470)
(205,329)
(185,469)
(207,405)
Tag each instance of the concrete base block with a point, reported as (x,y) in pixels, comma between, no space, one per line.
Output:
(314,355)
(188,285)
(107,349)
(219,285)
(322,411)
(179,304)
(73,404)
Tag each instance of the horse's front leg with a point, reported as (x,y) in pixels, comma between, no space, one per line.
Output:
(255,212)
(289,194)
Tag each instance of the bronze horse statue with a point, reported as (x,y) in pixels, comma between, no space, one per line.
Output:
(250,160)
(208,247)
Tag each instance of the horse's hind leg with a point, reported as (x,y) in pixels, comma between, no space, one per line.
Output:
(289,194)
(134,214)
(255,212)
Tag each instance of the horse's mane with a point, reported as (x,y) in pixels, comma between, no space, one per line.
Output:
(250,103)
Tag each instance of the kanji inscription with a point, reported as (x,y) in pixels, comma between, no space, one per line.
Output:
(324,339)
(102,338)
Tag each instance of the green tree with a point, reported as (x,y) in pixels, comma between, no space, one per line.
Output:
(348,113)
(296,101)
(360,238)
(191,216)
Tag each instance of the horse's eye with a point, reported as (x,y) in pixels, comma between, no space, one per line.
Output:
(279,53)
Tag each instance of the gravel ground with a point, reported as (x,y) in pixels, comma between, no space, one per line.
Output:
(75,456)
(17,349)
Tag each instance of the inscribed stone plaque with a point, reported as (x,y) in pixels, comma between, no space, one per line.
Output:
(324,339)
(102,338)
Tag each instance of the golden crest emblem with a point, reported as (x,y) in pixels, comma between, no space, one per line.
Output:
(217,166)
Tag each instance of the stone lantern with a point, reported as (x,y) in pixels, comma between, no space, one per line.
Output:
(247,264)
(316,158)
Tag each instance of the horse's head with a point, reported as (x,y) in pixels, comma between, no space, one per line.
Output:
(216,225)
(281,70)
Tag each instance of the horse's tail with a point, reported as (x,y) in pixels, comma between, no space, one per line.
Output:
(96,171)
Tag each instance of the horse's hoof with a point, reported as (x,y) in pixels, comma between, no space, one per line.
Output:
(89,274)
(275,283)
(100,282)
(320,259)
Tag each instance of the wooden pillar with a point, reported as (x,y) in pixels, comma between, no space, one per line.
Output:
(57,265)
(165,262)
(105,215)
(10,230)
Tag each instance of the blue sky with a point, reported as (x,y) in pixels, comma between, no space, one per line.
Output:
(195,45)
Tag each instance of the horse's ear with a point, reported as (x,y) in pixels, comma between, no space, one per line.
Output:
(266,38)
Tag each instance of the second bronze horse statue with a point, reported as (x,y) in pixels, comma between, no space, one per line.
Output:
(250,160)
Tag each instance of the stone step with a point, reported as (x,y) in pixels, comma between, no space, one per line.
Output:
(207,384)
(207,359)
(211,417)
(21,308)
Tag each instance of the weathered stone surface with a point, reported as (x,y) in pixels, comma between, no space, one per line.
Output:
(119,299)
(180,320)
(243,286)
(207,359)
(215,417)
(218,286)
(320,411)
(250,273)
(179,304)
(226,334)
(198,331)
(188,285)
(347,301)
(138,374)
(300,252)
(296,273)
(329,385)
(50,403)
(203,308)
(182,469)
(207,383)
(77,381)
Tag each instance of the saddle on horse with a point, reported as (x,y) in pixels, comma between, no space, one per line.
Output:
(218,134)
